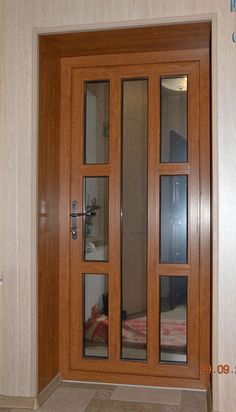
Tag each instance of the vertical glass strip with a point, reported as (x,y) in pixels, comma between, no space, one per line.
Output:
(134,220)
(96,122)
(95,315)
(174,115)
(173,219)
(96,221)
(173,319)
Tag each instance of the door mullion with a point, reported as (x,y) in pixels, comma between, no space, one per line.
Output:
(76,293)
(194,219)
(114,220)
(153,218)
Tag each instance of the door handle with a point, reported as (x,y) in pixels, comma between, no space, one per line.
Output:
(74,214)
(73,233)
(88,213)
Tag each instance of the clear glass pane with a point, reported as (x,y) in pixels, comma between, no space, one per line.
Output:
(95,315)
(173,319)
(96,122)
(134,220)
(173,219)
(174,114)
(96,204)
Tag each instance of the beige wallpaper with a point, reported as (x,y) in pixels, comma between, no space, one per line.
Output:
(1,190)
(18,142)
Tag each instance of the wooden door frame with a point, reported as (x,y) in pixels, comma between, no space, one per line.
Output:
(185,40)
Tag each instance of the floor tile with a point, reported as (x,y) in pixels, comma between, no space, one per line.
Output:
(66,399)
(104,394)
(150,395)
(194,401)
(81,397)
(101,391)
(99,405)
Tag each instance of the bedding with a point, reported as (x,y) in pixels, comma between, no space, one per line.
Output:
(173,332)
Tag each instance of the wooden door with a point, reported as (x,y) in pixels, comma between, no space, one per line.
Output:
(133,268)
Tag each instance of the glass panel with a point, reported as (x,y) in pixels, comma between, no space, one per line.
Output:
(95,315)
(173,319)
(134,221)
(174,114)
(173,239)
(96,224)
(96,122)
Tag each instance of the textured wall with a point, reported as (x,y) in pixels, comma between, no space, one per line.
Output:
(1,191)
(18,167)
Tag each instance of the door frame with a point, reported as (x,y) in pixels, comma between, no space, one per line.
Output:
(52,48)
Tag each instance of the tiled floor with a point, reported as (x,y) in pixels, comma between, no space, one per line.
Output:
(81,397)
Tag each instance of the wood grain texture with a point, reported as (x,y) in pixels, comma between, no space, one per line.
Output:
(80,15)
(72,280)
(48,209)
(183,37)
(64,263)
(145,380)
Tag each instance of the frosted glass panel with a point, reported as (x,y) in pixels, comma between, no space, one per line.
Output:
(173,319)
(96,204)
(96,122)
(134,220)
(95,315)
(174,113)
(173,219)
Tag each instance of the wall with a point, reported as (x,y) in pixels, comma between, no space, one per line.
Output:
(18,144)
(1,192)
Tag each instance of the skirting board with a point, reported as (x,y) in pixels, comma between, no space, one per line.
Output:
(50,388)
(21,402)
(15,402)
(209,400)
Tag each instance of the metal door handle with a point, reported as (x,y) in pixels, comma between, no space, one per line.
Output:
(74,214)
(73,233)
(88,213)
